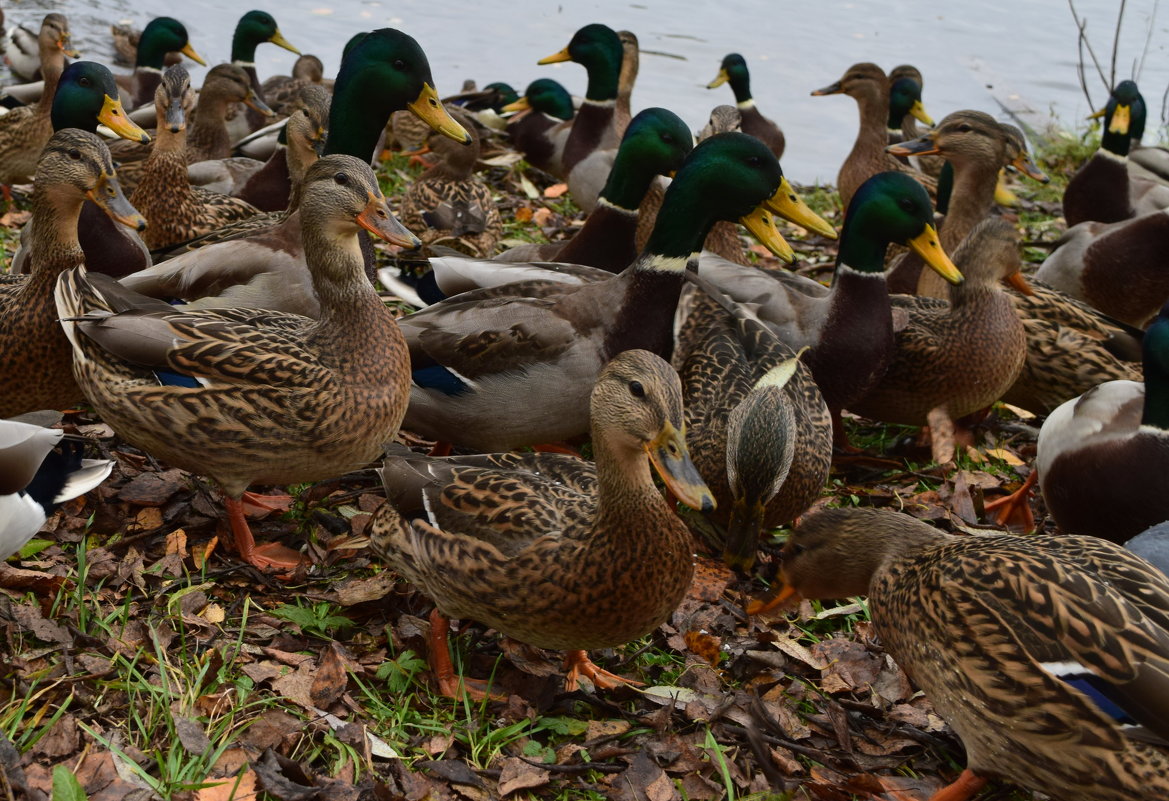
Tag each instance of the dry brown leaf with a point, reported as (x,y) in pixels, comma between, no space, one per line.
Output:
(331,679)
(239,788)
(704,646)
(517,774)
(542,216)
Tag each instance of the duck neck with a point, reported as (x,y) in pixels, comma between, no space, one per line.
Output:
(54,236)
(355,121)
(52,65)
(624,482)
(1115,143)
(338,272)
(861,253)
(681,226)
(741,86)
(971,198)
(629,180)
(873,107)
(604,78)
(243,48)
(208,137)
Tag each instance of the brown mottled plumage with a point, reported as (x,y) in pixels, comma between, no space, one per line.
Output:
(224,85)
(989,626)
(24,131)
(866,83)
(550,549)
(280,91)
(35,357)
(176,210)
(282,398)
(756,424)
(449,204)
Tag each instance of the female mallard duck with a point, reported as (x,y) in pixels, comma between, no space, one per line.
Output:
(536,130)
(36,477)
(848,326)
(733,70)
(1104,456)
(162,35)
(275,398)
(34,355)
(550,549)
(756,424)
(449,204)
(176,210)
(25,49)
(25,130)
(280,91)
(498,368)
(1043,653)
(866,83)
(598,48)
(954,358)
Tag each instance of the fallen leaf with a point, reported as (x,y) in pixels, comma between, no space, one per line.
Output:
(541,216)
(331,678)
(518,774)
(238,788)
(556,190)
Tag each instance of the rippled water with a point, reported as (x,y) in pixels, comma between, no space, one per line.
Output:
(973,55)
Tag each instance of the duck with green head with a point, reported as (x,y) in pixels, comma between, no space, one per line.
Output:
(848,326)
(599,50)
(254,29)
(495,372)
(537,130)
(733,70)
(162,35)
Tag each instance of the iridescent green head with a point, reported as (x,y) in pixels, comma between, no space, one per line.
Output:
(164,35)
(733,70)
(254,29)
(656,142)
(599,50)
(86,96)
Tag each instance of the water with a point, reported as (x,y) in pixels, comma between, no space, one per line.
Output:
(1021,54)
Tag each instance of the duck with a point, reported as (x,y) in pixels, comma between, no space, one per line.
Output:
(905,105)
(271,397)
(280,91)
(40,472)
(254,29)
(539,566)
(599,49)
(867,84)
(25,130)
(24,49)
(34,355)
(178,211)
(953,358)
(848,327)
(630,65)
(535,128)
(1103,190)
(266,267)
(474,355)
(757,426)
(1102,457)
(161,35)
(1145,161)
(733,70)
(1047,655)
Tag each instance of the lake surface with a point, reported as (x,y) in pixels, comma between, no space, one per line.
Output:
(984,55)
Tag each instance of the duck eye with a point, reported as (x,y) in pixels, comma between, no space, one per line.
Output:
(399,65)
(667,138)
(906,204)
(964,128)
(341,178)
(84,81)
(75,154)
(636,389)
(754,161)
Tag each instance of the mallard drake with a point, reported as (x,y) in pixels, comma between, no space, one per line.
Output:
(254,29)
(848,326)
(1040,652)
(25,130)
(536,131)
(905,106)
(276,398)
(756,424)
(266,269)
(550,549)
(162,35)
(449,204)
(498,368)
(280,91)
(1144,161)
(599,49)
(954,358)
(36,477)
(733,70)
(655,143)
(866,83)
(176,210)
(34,356)
(977,147)
(1103,456)
(1102,190)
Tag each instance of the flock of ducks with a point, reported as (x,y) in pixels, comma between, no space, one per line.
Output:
(218,312)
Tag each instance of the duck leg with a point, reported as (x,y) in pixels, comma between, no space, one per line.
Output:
(578,664)
(269,556)
(962,789)
(1015,509)
(449,684)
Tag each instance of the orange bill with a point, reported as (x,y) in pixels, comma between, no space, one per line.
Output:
(379,221)
(669,455)
(109,198)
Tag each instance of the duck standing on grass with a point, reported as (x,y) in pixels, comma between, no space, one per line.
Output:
(1049,655)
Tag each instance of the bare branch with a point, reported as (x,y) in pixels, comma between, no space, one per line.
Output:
(1081,26)
(1140,67)
(1116,44)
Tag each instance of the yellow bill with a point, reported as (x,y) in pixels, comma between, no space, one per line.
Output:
(719,80)
(279,40)
(113,116)
(917,111)
(670,457)
(431,111)
(787,204)
(557,57)
(762,226)
(190,53)
(927,246)
(520,105)
(1121,120)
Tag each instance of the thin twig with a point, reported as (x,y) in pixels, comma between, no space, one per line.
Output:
(1082,25)
(1116,44)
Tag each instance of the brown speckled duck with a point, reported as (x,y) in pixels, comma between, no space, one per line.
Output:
(1049,656)
(35,357)
(547,548)
(268,397)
